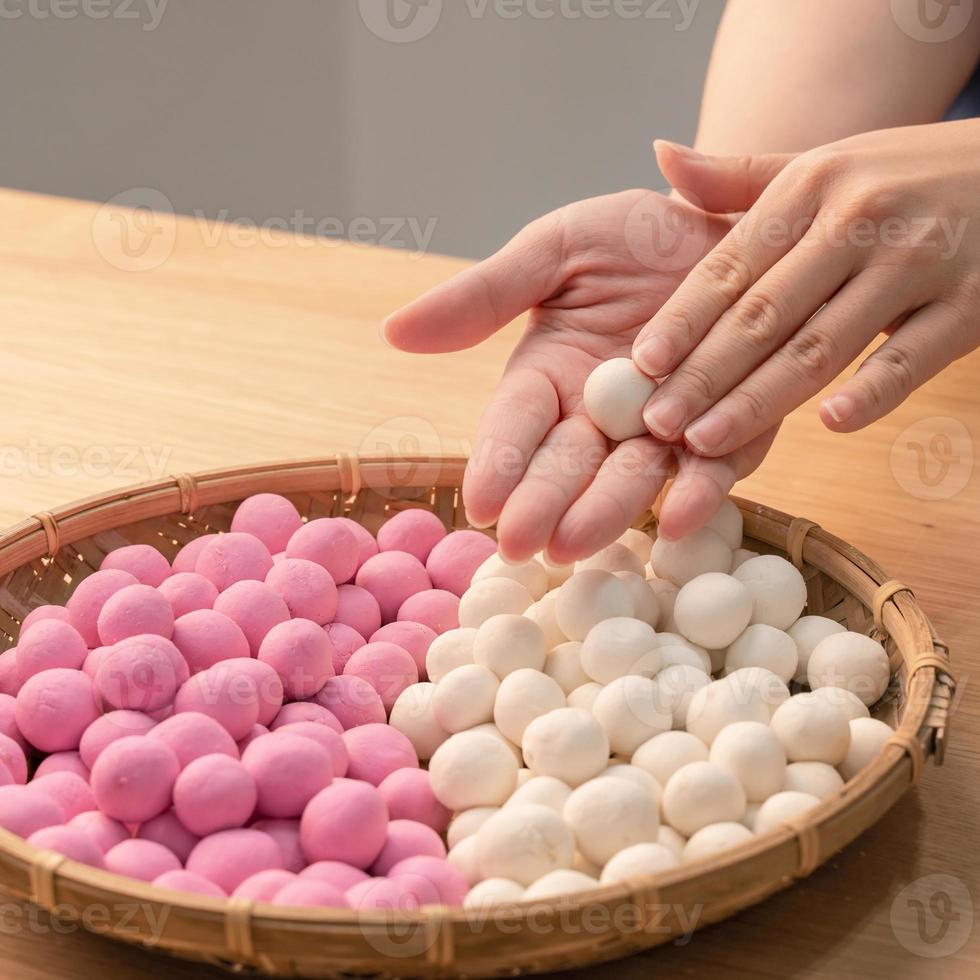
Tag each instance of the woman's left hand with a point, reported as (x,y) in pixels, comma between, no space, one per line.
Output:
(876,233)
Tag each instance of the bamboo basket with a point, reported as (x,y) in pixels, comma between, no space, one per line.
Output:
(43,558)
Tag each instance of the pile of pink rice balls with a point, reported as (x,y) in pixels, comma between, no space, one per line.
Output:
(251,719)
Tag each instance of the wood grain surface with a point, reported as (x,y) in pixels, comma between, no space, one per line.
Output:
(139,347)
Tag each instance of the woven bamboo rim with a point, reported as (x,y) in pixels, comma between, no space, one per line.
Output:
(42,558)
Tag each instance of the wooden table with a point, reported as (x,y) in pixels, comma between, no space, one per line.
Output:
(190,346)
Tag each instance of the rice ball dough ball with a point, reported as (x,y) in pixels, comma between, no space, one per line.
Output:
(615,393)
(782,808)
(492,597)
(522,696)
(531,574)
(631,711)
(812,730)
(851,661)
(695,554)
(567,743)
(607,815)
(523,843)
(753,753)
(509,642)
(721,703)
(807,632)
(713,609)
(777,587)
(868,737)
(464,698)
(715,839)
(473,769)
(764,646)
(589,597)
(638,861)
(702,793)
(613,646)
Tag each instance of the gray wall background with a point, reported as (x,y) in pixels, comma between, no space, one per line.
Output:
(298,111)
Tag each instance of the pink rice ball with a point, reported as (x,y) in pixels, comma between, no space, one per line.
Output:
(448,880)
(352,700)
(344,640)
(310,894)
(188,592)
(413,531)
(233,557)
(103,830)
(187,881)
(205,637)
(8,720)
(306,711)
(347,821)
(191,734)
(435,608)
(452,562)
(300,653)
(377,894)
(376,751)
(133,610)
(358,609)
(166,829)
(288,771)
(366,545)
(268,516)
(325,736)
(6,779)
(186,559)
(268,685)
(388,668)
(63,762)
(12,756)
(55,707)
(133,778)
(391,577)
(138,676)
(263,885)
(50,643)
(23,810)
(406,839)
(285,832)
(69,791)
(90,595)
(9,674)
(94,658)
(40,613)
(413,637)
(228,696)
(142,561)
(256,732)
(306,587)
(330,544)
(214,793)
(230,856)
(108,729)
(341,876)
(74,843)
(142,859)
(255,607)
(409,796)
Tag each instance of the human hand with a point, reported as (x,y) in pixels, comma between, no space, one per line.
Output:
(877,227)
(592,274)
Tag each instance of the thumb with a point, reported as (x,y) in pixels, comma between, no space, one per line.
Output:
(718,184)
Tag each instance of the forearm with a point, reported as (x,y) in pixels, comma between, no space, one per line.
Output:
(788,75)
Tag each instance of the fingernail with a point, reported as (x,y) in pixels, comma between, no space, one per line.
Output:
(679,148)
(665,416)
(653,356)
(839,407)
(708,433)
(383,333)
(480,526)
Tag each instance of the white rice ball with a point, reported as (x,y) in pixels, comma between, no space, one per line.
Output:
(472,769)
(607,815)
(449,650)
(464,698)
(639,542)
(524,695)
(493,893)
(615,557)
(489,728)
(557,574)
(412,715)
(701,793)
(812,730)
(807,632)
(763,646)
(492,597)
(614,395)
(524,843)
(741,555)
(531,574)
(664,754)
(868,737)
(816,778)
(631,709)
(638,861)
(713,609)
(672,840)
(584,696)
(677,685)
(568,744)
(543,613)
(777,587)
(666,593)
(759,682)
(508,642)
(545,790)
(715,838)
(782,808)
(588,598)
(727,522)
(853,662)
(646,605)
(722,703)
(467,822)
(754,755)
(558,884)
(749,817)
(612,647)
(667,645)
(563,665)
(463,856)
(634,774)
(687,558)
(849,703)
